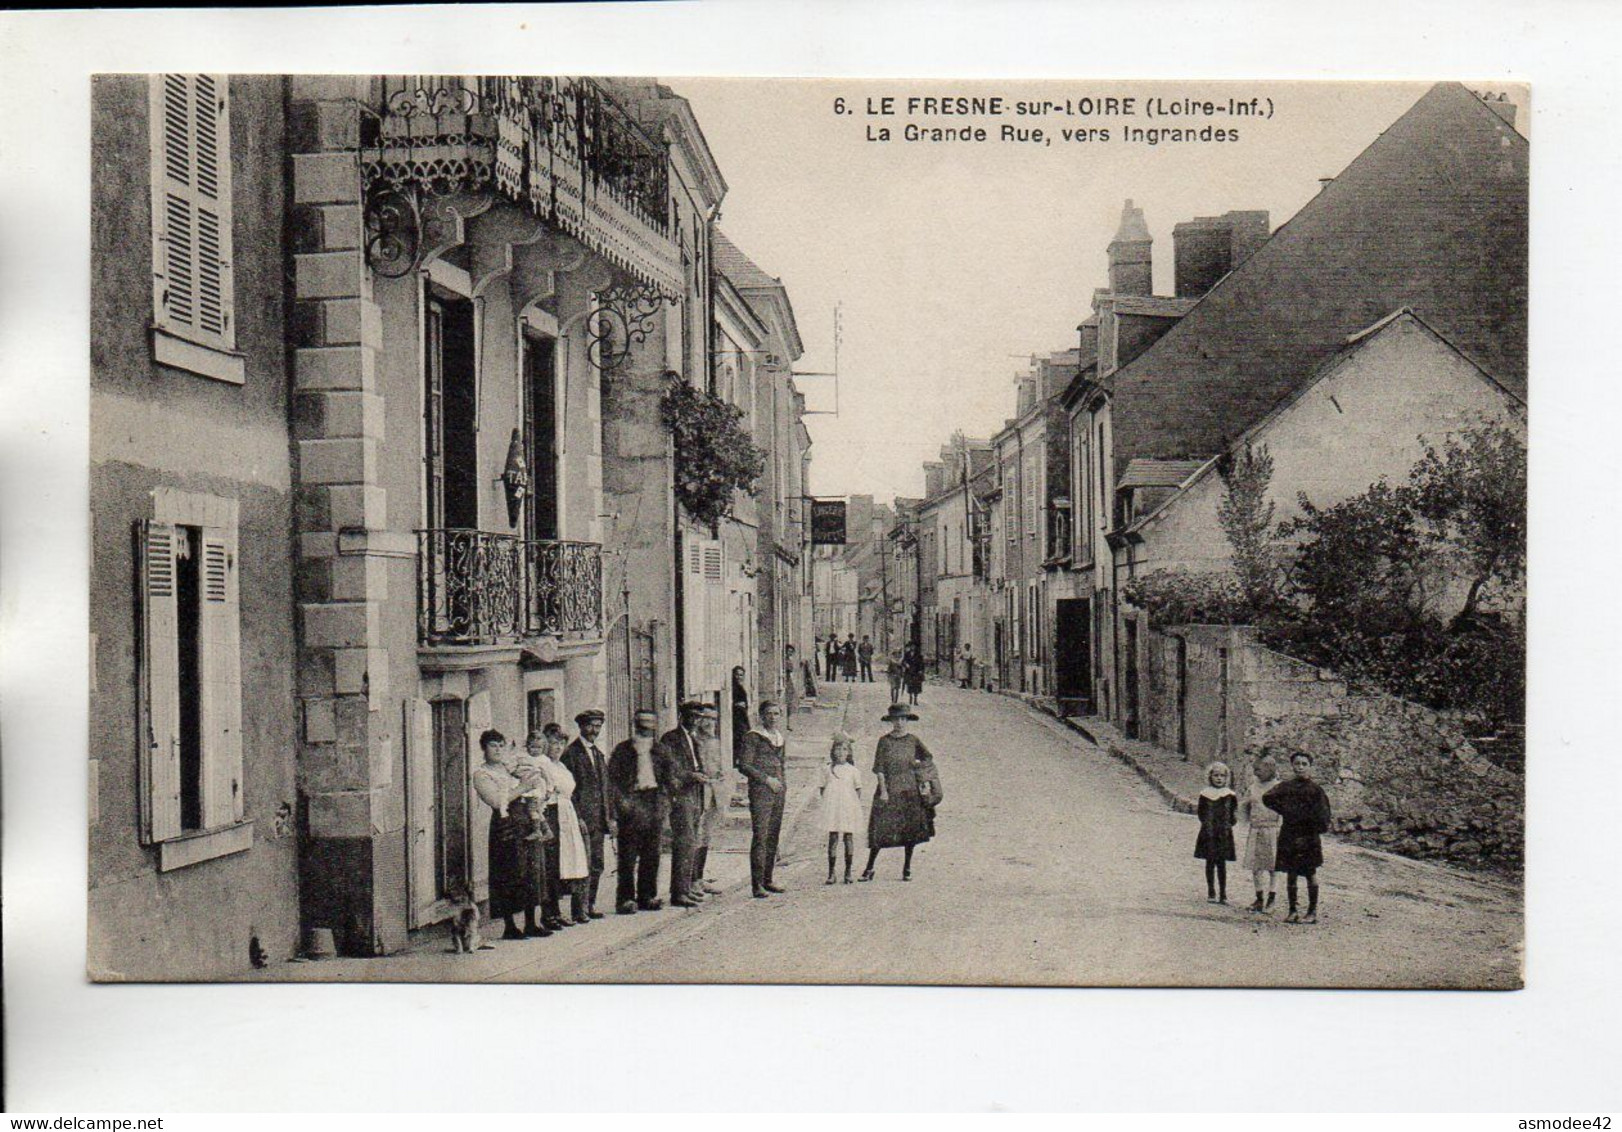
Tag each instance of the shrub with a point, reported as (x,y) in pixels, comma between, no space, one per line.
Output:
(715,457)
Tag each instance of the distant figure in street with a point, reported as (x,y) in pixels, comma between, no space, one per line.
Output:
(1305,809)
(830,667)
(896,675)
(1261,846)
(687,783)
(841,792)
(1218,810)
(764,764)
(816,656)
(912,667)
(740,712)
(898,817)
(589,766)
(864,653)
(791,686)
(847,658)
(965,674)
(639,772)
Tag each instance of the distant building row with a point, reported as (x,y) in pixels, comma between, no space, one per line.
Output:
(1391,308)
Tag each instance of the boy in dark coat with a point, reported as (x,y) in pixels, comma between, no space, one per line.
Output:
(1304,807)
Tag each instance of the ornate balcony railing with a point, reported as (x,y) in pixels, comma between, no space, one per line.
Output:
(560,147)
(482,588)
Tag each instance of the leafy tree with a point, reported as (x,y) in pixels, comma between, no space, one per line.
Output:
(1246,515)
(1472,496)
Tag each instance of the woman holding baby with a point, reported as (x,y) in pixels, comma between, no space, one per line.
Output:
(517,857)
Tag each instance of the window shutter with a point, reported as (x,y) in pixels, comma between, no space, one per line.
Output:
(695,607)
(715,614)
(222,679)
(160,640)
(193,292)
(418,730)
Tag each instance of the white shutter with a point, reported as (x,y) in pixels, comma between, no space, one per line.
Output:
(716,623)
(478,825)
(220,635)
(160,638)
(418,729)
(193,288)
(695,610)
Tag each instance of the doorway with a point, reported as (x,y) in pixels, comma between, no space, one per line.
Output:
(451,778)
(1072,656)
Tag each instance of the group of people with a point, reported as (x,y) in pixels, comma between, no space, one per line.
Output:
(905,671)
(1287,822)
(849,658)
(555,802)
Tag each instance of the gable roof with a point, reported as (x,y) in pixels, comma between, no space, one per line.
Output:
(1144,472)
(1354,344)
(739,269)
(1432,216)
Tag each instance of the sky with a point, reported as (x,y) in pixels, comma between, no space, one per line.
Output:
(953,262)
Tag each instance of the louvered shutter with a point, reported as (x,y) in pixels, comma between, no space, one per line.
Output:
(716,622)
(220,635)
(191,208)
(478,826)
(160,643)
(695,609)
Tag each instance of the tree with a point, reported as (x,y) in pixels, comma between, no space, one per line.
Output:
(1472,496)
(1246,515)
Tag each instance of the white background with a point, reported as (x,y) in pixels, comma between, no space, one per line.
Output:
(1554,1047)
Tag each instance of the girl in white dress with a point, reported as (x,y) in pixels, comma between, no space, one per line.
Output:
(841,793)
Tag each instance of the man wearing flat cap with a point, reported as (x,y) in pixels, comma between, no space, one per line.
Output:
(589,766)
(687,781)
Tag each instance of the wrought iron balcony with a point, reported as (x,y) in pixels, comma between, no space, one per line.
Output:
(483,588)
(562,148)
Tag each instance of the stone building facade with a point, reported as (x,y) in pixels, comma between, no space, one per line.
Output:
(383,442)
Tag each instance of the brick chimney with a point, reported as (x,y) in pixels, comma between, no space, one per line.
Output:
(1500,105)
(934,479)
(1208,247)
(1131,270)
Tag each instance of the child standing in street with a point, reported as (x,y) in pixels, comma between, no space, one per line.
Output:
(1261,846)
(841,792)
(1218,810)
(1305,810)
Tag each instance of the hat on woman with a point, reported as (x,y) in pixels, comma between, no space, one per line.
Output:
(899,711)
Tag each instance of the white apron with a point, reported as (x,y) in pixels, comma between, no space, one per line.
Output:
(572,861)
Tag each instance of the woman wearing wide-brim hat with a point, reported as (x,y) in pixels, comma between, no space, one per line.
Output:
(898,817)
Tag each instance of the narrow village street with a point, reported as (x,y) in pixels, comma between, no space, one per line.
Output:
(1055,864)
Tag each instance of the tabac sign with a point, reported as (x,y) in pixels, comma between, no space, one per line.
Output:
(827,522)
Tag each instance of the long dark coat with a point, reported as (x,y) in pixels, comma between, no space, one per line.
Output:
(1215,842)
(912,670)
(1305,809)
(898,818)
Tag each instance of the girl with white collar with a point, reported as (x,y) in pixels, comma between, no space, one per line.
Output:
(1218,811)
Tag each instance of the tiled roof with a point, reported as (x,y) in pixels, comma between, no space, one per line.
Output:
(739,268)
(1158,473)
(1432,216)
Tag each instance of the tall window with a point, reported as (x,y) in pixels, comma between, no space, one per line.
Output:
(193,284)
(540,436)
(191,678)
(450,452)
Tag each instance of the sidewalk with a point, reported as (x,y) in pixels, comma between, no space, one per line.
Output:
(578,948)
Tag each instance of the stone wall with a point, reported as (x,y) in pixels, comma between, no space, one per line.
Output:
(1400,776)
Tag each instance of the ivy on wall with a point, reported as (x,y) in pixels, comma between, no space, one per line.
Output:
(715,455)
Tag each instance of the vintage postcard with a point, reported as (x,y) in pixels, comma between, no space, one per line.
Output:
(550,528)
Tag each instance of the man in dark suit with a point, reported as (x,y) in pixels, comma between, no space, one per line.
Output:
(763,763)
(589,766)
(639,775)
(687,779)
